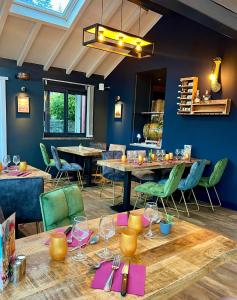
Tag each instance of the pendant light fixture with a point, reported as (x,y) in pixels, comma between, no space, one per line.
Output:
(102,37)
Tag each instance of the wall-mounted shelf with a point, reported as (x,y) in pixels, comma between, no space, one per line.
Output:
(151,112)
(212,107)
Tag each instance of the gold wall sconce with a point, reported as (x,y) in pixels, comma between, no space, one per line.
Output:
(215,85)
(118,108)
(23,101)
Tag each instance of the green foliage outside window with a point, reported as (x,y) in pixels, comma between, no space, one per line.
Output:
(57,106)
(40,3)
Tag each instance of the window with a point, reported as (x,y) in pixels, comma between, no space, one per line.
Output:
(58,6)
(68,110)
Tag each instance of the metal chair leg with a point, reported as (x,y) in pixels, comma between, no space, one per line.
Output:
(68,179)
(80,179)
(195,199)
(175,206)
(59,177)
(209,197)
(186,206)
(102,188)
(217,195)
(46,169)
(113,193)
(162,201)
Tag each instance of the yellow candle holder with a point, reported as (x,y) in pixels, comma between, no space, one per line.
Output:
(23,166)
(135,222)
(171,155)
(123,158)
(153,156)
(140,159)
(167,157)
(186,156)
(128,242)
(1,167)
(58,246)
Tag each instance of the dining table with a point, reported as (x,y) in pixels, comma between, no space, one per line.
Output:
(130,166)
(88,154)
(13,173)
(172,262)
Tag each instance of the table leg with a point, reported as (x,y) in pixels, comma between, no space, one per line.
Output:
(125,206)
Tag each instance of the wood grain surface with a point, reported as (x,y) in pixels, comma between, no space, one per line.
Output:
(34,172)
(82,151)
(173,262)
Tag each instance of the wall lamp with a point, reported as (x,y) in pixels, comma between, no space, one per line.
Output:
(215,85)
(118,108)
(23,101)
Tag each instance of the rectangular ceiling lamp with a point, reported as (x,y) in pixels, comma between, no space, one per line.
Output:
(115,41)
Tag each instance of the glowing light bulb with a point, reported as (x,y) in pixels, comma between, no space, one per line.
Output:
(120,41)
(138,48)
(212,77)
(101,37)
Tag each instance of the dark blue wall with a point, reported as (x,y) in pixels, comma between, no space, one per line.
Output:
(185,48)
(25,133)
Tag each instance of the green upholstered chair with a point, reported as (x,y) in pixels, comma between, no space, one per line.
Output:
(166,189)
(49,162)
(213,180)
(59,207)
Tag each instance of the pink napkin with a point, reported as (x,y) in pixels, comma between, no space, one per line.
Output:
(136,278)
(74,241)
(19,173)
(122,220)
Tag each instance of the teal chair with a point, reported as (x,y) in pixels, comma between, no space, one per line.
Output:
(163,190)
(49,162)
(59,207)
(213,180)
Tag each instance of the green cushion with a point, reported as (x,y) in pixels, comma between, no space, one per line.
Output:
(204,181)
(145,187)
(52,162)
(59,207)
(44,154)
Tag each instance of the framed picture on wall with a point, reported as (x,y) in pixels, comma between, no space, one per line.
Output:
(23,104)
(118,110)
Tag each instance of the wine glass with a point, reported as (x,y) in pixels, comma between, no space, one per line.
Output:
(177,152)
(158,154)
(163,152)
(152,214)
(182,153)
(80,231)
(106,230)
(6,161)
(16,160)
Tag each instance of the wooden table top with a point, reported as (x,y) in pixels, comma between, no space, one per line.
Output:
(81,151)
(34,172)
(172,263)
(131,166)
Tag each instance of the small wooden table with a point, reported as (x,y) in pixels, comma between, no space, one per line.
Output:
(128,168)
(87,153)
(172,262)
(34,172)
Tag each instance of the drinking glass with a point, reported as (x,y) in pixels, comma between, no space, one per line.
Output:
(16,160)
(128,242)
(6,161)
(158,154)
(58,246)
(177,152)
(152,214)
(163,152)
(80,231)
(106,230)
(182,154)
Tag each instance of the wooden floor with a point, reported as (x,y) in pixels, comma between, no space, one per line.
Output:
(220,283)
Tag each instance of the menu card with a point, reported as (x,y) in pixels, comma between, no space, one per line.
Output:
(7,250)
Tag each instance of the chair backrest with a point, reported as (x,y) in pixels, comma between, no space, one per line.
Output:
(96,145)
(218,171)
(173,181)
(21,195)
(194,175)
(56,158)
(59,207)
(133,154)
(117,147)
(44,154)
(2,219)
(110,155)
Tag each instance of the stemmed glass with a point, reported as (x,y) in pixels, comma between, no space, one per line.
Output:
(80,231)
(182,153)
(106,230)
(163,152)
(177,152)
(158,154)
(152,214)
(16,160)
(6,161)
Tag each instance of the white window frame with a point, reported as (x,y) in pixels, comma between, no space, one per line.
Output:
(3,118)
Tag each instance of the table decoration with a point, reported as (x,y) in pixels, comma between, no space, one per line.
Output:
(58,246)
(135,222)
(136,278)
(123,158)
(171,156)
(128,242)
(122,220)
(166,224)
(23,166)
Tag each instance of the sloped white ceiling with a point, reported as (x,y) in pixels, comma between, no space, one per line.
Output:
(28,40)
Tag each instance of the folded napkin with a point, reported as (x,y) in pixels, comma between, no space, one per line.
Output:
(74,241)
(19,173)
(122,220)
(136,278)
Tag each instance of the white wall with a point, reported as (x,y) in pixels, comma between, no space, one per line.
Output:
(3,121)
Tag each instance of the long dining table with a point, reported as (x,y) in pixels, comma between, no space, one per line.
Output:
(128,167)
(29,173)
(172,262)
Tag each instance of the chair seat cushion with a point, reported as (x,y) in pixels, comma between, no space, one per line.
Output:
(52,162)
(145,175)
(204,181)
(70,167)
(182,186)
(151,188)
(118,176)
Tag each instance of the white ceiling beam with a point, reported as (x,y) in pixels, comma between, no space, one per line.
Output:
(152,21)
(28,44)
(4,13)
(65,37)
(107,17)
(131,20)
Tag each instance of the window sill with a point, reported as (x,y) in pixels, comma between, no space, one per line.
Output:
(71,138)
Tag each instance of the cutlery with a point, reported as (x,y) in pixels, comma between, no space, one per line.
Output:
(66,232)
(115,266)
(95,266)
(124,279)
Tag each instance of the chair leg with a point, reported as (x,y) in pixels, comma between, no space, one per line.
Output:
(59,177)
(185,203)
(217,195)
(162,201)
(49,169)
(209,197)
(80,179)
(175,206)
(46,169)
(68,179)
(113,193)
(195,199)
(102,188)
